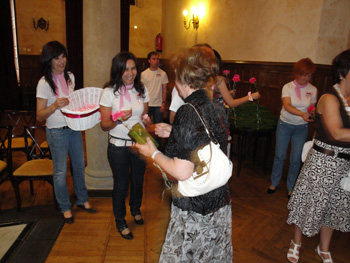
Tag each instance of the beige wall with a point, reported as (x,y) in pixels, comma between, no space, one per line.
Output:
(31,41)
(147,16)
(334,33)
(253,30)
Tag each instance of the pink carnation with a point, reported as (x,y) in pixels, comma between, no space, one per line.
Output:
(252,80)
(236,78)
(117,115)
(311,109)
(226,72)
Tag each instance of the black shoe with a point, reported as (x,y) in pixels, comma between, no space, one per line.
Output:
(139,221)
(68,220)
(89,210)
(271,191)
(128,236)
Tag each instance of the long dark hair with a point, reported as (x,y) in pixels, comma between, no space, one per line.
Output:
(117,71)
(50,51)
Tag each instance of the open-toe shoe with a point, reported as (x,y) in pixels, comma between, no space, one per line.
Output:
(293,253)
(325,260)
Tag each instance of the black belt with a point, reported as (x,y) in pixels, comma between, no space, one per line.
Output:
(331,152)
(63,128)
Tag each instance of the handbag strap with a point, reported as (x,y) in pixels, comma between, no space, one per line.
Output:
(207,129)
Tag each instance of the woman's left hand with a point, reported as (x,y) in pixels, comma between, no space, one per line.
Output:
(146,149)
(146,120)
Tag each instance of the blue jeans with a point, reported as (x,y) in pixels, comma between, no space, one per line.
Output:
(297,135)
(63,142)
(157,115)
(126,164)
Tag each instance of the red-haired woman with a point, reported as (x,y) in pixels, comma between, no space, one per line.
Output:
(293,124)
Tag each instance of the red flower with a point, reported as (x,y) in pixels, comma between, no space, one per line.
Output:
(236,78)
(311,109)
(252,80)
(226,72)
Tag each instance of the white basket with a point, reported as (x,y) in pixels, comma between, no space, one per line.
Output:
(83,120)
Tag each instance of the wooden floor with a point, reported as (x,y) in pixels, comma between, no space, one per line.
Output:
(260,233)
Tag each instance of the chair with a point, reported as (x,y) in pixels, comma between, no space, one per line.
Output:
(18,119)
(38,165)
(5,154)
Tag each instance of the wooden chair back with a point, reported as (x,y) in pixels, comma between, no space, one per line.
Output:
(34,139)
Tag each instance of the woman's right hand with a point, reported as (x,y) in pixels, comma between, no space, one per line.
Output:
(306,116)
(127,114)
(163,130)
(60,103)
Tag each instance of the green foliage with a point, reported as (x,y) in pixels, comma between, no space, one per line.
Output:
(252,116)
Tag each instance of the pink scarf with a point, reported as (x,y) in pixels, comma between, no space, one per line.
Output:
(64,88)
(124,92)
(297,88)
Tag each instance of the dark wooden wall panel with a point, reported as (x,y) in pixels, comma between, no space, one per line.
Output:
(29,76)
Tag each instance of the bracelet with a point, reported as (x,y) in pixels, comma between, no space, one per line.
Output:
(155,153)
(250,96)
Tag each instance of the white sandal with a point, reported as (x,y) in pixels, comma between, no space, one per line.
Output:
(328,260)
(293,253)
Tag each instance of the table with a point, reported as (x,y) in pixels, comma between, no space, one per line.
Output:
(243,135)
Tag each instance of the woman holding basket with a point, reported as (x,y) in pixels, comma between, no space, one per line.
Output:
(52,92)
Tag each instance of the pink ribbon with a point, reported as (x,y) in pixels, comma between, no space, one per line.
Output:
(64,88)
(78,116)
(124,92)
(297,88)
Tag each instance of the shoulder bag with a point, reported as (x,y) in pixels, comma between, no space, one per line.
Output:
(214,171)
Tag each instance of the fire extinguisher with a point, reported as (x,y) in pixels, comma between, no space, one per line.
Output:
(159,43)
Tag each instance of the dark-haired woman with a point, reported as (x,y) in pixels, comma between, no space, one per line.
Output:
(124,93)
(319,204)
(52,92)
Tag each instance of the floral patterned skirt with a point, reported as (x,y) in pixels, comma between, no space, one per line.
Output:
(317,197)
(192,237)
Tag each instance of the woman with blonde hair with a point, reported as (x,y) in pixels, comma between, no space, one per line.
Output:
(200,227)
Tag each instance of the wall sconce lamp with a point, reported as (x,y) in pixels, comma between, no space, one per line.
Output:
(41,23)
(194,20)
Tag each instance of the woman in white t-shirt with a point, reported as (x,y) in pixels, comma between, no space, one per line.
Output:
(293,124)
(124,102)
(52,92)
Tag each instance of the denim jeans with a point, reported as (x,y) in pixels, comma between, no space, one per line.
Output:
(157,115)
(126,164)
(63,142)
(297,135)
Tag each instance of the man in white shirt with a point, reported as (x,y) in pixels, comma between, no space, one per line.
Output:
(156,80)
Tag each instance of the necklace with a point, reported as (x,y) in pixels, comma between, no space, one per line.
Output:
(345,103)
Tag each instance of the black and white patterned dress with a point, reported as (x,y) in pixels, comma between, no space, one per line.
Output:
(200,227)
(317,197)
